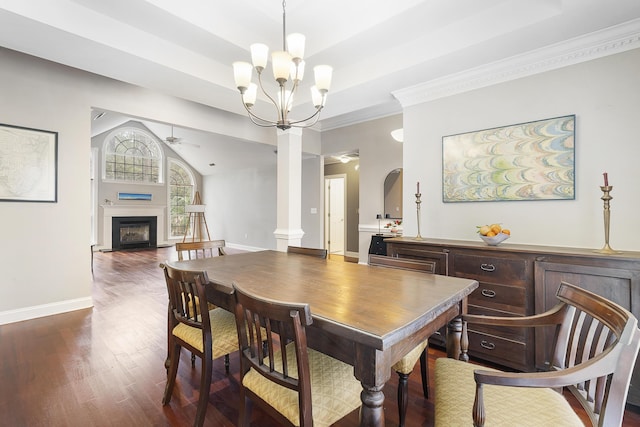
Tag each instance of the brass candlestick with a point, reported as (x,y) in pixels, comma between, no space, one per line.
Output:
(606,249)
(418,195)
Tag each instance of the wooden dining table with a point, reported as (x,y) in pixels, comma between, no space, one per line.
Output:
(369,317)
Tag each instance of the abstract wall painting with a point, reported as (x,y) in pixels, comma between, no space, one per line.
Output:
(134,196)
(527,161)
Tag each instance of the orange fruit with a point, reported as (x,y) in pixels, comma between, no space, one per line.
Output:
(491,234)
(506,231)
(496,228)
(484,230)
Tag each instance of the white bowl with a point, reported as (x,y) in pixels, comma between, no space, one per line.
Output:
(495,240)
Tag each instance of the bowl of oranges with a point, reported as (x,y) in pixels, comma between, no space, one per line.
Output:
(493,234)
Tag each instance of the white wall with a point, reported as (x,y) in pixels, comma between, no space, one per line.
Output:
(604,94)
(45,251)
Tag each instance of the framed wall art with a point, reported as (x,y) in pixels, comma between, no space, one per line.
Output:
(134,196)
(527,161)
(28,164)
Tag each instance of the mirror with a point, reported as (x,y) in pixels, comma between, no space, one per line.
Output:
(393,194)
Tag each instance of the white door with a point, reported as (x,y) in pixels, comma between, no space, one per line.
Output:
(335,211)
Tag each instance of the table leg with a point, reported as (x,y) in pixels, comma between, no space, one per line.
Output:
(371,411)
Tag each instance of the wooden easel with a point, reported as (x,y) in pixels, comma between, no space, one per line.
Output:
(197,218)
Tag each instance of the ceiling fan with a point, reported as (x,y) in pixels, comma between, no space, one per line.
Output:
(174,140)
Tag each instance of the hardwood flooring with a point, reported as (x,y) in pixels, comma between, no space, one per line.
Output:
(105,366)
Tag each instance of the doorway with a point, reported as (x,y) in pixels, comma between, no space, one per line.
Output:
(335,204)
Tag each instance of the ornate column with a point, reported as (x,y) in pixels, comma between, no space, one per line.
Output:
(289,188)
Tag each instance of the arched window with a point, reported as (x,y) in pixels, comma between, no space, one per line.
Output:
(132,155)
(181,194)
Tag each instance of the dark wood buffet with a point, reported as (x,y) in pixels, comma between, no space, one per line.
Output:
(519,280)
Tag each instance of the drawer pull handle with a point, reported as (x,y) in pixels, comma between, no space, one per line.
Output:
(488,293)
(488,267)
(487,345)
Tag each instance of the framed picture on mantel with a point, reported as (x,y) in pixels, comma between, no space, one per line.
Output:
(527,161)
(28,165)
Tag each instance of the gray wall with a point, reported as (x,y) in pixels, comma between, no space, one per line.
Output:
(604,94)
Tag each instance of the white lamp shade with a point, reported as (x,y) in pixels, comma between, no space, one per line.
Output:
(242,72)
(295,45)
(259,55)
(281,62)
(323,77)
(249,96)
(297,71)
(398,134)
(316,97)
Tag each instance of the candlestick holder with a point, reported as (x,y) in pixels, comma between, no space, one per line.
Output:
(606,197)
(418,202)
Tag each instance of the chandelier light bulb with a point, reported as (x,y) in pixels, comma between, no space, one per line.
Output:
(259,55)
(323,77)
(249,96)
(242,72)
(316,97)
(297,71)
(281,63)
(295,45)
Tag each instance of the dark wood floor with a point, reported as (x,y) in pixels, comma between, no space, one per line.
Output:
(104,366)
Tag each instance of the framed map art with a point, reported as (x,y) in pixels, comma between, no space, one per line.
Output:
(527,161)
(28,164)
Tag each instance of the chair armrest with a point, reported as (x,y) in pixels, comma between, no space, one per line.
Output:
(600,365)
(554,316)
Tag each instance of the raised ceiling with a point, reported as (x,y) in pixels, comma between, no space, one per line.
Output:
(377,47)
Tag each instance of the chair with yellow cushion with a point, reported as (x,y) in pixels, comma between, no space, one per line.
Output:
(405,366)
(596,345)
(208,334)
(294,384)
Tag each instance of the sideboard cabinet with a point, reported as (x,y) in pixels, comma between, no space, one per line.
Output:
(520,280)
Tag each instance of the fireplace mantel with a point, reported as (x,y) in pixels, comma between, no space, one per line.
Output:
(109,211)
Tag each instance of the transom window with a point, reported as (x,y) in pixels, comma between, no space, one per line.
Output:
(132,155)
(181,194)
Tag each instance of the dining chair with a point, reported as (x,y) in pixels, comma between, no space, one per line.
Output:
(320,253)
(294,384)
(205,249)
(208,334)
(405,366)
(596,346)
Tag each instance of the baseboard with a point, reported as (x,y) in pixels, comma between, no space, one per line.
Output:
(33,312)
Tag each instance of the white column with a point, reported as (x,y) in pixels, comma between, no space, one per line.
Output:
(289,209)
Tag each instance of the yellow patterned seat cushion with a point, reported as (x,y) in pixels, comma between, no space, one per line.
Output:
(455,391)
(335,392)
(406,364)
(224,335)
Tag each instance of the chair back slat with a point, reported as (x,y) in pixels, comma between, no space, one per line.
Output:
(195,250)
(187,298)
(275,325)
(602,338)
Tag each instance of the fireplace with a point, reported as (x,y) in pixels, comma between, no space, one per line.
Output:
(130,232)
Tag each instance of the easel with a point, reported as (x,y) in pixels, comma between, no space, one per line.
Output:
(196,217)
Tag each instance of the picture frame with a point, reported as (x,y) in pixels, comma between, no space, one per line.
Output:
(134,196)
(28,164)
(526,161)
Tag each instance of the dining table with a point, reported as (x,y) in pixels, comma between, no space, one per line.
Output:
(367,316)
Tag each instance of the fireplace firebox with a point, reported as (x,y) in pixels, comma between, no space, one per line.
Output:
(131,232)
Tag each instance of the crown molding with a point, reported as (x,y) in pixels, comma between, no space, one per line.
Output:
(612,40)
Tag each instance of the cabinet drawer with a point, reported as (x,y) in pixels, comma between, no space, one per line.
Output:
(498,350)
(492,269)
(500,297)
(510,333)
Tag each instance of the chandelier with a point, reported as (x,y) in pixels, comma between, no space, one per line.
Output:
(288,66)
